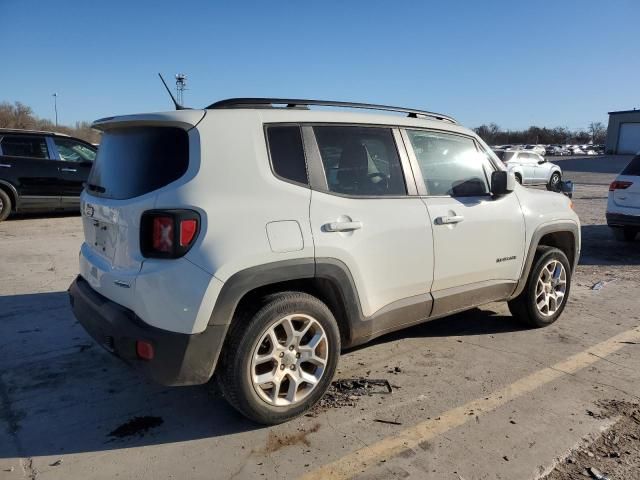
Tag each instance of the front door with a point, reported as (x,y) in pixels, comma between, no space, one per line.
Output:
(74,163)
(362,216)
(478,239)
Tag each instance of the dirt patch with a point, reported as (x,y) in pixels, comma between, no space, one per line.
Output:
(275,442)
(136,426)
(613,455)
(347,392)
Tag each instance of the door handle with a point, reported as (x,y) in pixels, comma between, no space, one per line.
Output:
(68,169)
(342,226)
(449,219)
(5,165)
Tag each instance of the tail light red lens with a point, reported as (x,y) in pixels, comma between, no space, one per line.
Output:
(168,233)
(187,231)
(144,350)
(619,185)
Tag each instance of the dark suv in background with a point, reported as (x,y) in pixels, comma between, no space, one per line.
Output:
(42,171)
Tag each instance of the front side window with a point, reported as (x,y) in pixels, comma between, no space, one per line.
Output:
(287,153)
(23,146)
(450,164)
(72,151)
(360,161)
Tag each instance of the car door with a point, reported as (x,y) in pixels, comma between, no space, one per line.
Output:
(478,239)
(363,218)
(25,161)
(525,159)
(542,167)
(74,159)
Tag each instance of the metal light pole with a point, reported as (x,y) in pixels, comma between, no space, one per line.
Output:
(55,106)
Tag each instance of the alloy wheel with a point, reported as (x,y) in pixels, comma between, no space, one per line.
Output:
(551,288)
(289,360)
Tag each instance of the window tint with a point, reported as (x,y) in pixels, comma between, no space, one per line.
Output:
(450,164)
(360,160)
(287,153)
(138,160)
(20,146)
(72,151)
(633,168)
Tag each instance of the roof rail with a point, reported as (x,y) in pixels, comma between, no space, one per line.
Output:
(297,103)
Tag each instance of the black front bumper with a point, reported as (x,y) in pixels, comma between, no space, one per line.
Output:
(180,359)
(621,220)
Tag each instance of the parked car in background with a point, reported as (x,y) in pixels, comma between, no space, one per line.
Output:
(42,171)
(539,149)
(557,150)
(623,205)
(531,168)
(576,150)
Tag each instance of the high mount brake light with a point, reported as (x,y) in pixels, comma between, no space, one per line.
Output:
(619,185)
(168,233)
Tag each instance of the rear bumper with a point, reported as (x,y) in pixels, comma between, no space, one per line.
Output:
(180,359)
(622,220)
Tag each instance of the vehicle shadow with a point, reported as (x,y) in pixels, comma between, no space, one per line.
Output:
(600,247)
(35,216)
(62,393)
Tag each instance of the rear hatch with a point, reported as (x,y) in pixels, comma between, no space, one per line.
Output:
(138,156)
(627,191)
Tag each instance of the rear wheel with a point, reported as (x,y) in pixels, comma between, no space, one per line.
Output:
(5,205)
(518,178)
(626,234)
(547,290)
(554,182)
(279,362)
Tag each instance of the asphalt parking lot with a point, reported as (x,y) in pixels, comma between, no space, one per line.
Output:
(475,396)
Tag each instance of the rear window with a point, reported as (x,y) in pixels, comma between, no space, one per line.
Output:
(287,153)
(135,161)
(633,168)
(23,146)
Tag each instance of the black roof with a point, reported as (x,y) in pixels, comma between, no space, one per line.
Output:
(624,111)
(305,103)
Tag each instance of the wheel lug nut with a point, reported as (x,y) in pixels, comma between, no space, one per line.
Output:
(297,355)
(281,367)
(291,347)
(281,354)
(293,367)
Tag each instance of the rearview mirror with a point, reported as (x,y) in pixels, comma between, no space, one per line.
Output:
(502,182)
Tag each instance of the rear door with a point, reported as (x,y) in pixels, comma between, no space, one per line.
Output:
(27,161)
(526,160)
(74,159)
(363,217)
(478,240)
(629,197)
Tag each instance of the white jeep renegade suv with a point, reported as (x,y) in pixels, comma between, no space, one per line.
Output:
(256,238)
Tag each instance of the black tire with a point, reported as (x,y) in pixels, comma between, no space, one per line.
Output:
(523,307)
(234,369)
(554,182)
(625,234)
(518,178)
(5,205)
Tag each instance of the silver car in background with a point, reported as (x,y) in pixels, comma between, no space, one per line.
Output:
(531,168)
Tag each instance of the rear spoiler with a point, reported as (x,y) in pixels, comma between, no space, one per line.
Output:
(186,119)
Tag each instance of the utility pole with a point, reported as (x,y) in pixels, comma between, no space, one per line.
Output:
(55,106)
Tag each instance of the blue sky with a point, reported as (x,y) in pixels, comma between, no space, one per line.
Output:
(516,63)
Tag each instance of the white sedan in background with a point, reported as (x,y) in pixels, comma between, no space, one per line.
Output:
(531,168)
(623,206)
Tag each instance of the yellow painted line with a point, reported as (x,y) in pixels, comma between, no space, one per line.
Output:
(355,462)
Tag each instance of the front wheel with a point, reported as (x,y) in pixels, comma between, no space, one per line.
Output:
(547,290)
(554,182)
(279,362)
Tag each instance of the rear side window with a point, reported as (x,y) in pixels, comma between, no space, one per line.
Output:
(138,160)
(23,146)
(287,153)
(633,168)
(360,161)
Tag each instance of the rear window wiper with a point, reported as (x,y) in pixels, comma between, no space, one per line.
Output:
(96,188)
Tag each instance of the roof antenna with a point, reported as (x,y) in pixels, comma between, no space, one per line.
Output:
(173,99)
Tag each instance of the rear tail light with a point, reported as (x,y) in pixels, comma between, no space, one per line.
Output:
(168,233)
(619,185)
(144,350)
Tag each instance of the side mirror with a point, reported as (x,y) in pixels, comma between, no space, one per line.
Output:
(567,188)
(502,182)
(540,162)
